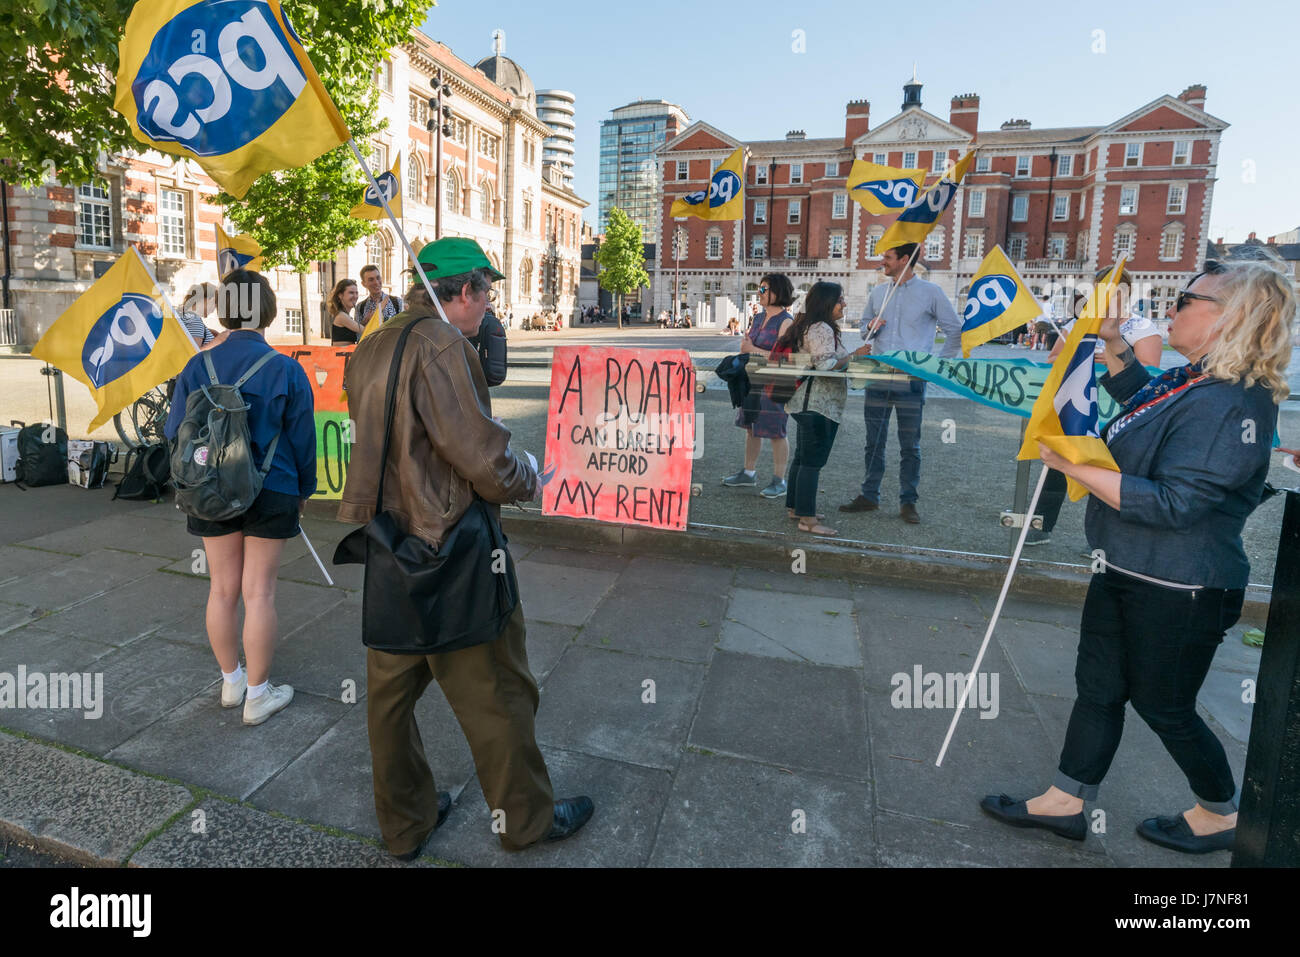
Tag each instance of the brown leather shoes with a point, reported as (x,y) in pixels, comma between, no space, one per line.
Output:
(908,514)
(860,504)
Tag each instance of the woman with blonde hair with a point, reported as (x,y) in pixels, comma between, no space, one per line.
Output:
(1192,446)
(344,329)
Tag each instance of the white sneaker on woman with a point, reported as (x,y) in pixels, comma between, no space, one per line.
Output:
(232,692)
(275,698)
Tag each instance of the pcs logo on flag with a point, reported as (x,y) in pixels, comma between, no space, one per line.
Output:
(723,188)
(988,298)
(387,185)
(215,90)
(892,193)
(228,260)
(1076,399)
(121,338)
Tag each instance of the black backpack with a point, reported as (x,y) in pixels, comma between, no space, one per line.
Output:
(42,455)
(490,342)
(146,474)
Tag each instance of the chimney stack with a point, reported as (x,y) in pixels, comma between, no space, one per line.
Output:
(795,135)
(965,112)
(1194,95)
(857,120)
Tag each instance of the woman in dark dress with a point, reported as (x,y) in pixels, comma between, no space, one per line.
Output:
(775,293)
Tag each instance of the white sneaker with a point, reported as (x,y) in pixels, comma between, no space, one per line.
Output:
(276,698)
(232,692)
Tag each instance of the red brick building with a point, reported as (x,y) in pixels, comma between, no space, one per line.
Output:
(1060,201)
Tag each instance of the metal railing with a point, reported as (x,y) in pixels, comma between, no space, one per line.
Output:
(8,327)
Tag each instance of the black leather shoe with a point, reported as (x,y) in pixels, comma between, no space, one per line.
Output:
(1175,834)
(570,815)
(860,504)
(908,514)
(444,808)
(1016,814)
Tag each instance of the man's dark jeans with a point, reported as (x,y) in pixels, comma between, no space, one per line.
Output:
(813,441)
(909,399)
(1152,646)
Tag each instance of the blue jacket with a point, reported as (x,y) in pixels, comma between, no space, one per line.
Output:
(1193,469)
(281,400)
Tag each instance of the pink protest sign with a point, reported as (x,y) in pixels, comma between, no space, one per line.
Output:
(620,435)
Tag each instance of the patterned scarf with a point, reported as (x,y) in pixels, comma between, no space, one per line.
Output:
(1170,381)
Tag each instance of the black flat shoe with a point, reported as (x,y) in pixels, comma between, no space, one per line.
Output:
(1175,834)
(569,816)
(1015,813)
(444,808)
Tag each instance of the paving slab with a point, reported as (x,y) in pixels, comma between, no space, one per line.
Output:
(1143,781)
(809,628)
(787,580)
(86,806)
(900,601)
(546,643)
(677,575)
(141,683)
(561,594)
(331,783)
(305,570)
(207,745)
(16,616)
(39,649)
(724,812)
(235,836)
(570,557)
(658,622)
(16,561)
(1221,696)
(1011,753)
(27,514)
(1066,616)
(628,801)
(791,714)
(324,653)
(77,579)
(906,841)
(124,532)
(1042,654)
(133,610)
(594,702)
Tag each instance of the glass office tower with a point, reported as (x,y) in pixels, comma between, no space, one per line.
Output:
(628,140)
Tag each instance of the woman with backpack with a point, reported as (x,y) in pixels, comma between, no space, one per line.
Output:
(243,552)
(818,403)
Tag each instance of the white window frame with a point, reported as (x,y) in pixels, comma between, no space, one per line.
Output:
(1082,245)
(384,75)
(832,170)
(973,244)
(1060,244)
(760,174)
(1020,208)
(1128,209)
(976,206)
(840,206)
(1016,248)
(796,173)
(794,212)
(836,239)
(934,245)
(983,162)
(167,247)
(1065,164)
(1181,191)
(760,211)
(1128,154)
(1177,235)
(1125,248)
(1183,158)
(99,208)
(880,159)
(414,178)
(683,170)
(909,163)
(712,242)
(939,161)
(1024,165)
(873,237)
(1060,214)
(758,247)
(293,321)
(792,242)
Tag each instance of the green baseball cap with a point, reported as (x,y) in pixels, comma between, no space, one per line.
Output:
(453,256)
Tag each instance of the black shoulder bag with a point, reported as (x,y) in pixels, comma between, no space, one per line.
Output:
(418,600)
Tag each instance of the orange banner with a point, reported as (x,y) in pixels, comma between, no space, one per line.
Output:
(620,435)
(325,366)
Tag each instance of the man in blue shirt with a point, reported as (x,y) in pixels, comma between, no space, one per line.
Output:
(914,311)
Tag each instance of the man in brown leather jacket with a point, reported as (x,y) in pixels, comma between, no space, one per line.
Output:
(447,447)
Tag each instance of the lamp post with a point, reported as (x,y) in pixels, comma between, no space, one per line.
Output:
(677,272)
(771,205)
(438,125)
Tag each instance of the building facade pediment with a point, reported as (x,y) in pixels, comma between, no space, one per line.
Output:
(913,126)
(1163,112)
(699,136)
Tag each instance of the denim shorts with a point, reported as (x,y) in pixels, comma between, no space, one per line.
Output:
(272,515)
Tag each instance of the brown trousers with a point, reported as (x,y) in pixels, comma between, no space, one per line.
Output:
(494,696)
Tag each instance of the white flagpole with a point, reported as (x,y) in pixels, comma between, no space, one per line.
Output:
(997,610)
(303,532)
(878,323)
(398,226)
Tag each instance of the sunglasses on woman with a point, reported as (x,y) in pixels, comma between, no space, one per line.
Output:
(1184,297)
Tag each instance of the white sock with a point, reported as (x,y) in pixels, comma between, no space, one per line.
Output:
(256,691)
(750,472)
(235,675)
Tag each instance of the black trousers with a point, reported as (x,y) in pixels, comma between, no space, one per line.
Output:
(1052,498)
(813,441)
(1152,646)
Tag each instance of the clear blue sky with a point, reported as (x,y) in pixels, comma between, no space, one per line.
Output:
(732,65)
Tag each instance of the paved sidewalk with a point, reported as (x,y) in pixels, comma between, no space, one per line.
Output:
(716,715)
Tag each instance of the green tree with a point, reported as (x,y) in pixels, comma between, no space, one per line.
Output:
(621,259)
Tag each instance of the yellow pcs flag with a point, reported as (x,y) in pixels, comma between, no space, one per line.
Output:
(236,252)
(883,189)
(725,197)
(390,184)
(998,301)
(120,338)
(915,222)
(1064,417)
(226,83)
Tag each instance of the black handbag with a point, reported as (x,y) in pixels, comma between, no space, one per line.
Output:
(418,600)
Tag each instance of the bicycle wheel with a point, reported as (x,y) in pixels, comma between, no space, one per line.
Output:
(142,422)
